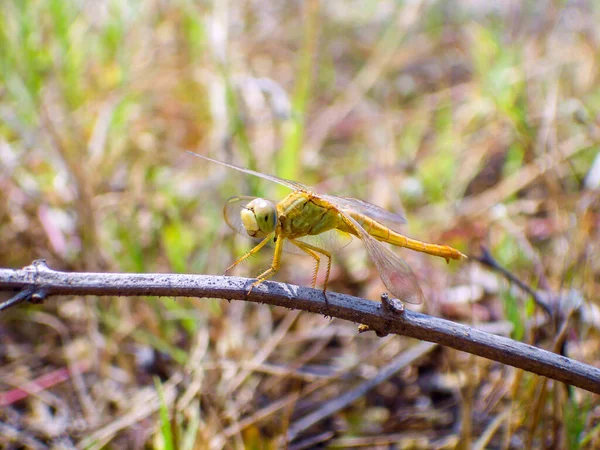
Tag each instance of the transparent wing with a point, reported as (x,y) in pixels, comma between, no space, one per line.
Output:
(366,208)
(231,211)
(394,271)
(288,183)
(331,241)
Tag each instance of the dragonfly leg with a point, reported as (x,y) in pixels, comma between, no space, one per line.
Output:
(304,247)
(250,253)
(313,251)
(274,265)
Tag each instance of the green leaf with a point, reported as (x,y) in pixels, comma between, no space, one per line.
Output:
(165,422)
(514,314)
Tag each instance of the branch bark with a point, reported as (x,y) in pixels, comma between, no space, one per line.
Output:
(44,282)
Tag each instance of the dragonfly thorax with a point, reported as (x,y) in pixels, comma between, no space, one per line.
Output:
(259,218)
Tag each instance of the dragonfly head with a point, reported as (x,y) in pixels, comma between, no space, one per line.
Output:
(259,218)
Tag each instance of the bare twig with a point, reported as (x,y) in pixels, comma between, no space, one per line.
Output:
(407,323)
(26,295)
(23,296)
(488,260)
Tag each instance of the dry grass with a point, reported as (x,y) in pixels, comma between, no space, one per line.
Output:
(482,121)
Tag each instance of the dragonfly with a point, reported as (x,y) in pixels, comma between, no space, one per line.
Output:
(315,224)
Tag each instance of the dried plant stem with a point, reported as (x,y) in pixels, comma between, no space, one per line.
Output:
(329,408)
(39,278)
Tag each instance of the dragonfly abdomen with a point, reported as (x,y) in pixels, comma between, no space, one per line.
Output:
(385,234)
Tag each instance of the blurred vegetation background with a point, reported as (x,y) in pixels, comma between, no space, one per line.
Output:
(480,118)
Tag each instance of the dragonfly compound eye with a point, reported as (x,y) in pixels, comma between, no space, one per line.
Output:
(259,218)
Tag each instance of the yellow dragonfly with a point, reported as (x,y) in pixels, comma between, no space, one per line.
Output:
(320,224)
